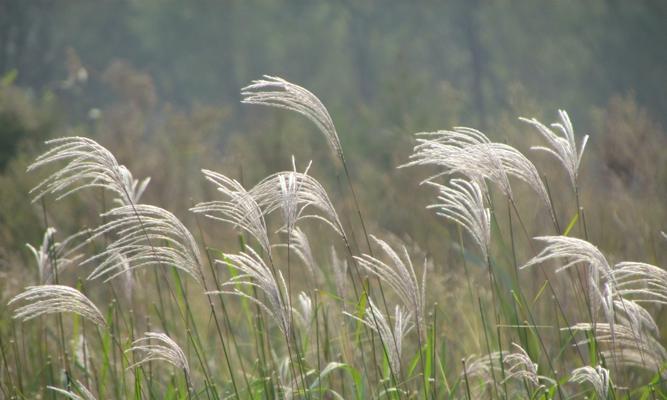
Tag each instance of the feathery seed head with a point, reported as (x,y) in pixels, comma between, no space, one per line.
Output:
(156,346)
(240,209)
(463,202)
(277,92)
(392,337)
(82,393)
(299,243)
(598,377)
(563,146)
(254,272)
(624,346)
(400,275)
(293,192)
(577,251)
(641,282)
(50,299)
(145,235)
(470,153)
(89,165)
(51,252)
(339,266)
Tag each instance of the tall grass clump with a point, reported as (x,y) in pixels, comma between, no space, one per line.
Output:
(309,302)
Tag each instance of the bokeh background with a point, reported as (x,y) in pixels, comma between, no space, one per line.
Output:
(158,83)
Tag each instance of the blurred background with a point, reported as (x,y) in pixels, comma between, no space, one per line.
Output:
(158,82)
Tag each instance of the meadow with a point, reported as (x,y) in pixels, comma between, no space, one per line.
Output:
(519,285)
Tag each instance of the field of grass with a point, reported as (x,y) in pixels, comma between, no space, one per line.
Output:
(285,288)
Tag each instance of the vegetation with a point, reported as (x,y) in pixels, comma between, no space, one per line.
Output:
(163,236)
(285,337)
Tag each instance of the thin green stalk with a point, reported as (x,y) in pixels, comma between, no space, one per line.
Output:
(488,347)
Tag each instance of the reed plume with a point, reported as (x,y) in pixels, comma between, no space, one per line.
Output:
(300,245)
(641,282)
(400,275)
(157,346)
(293,193)
(277,92)
(240,209)
(254,272)
(624,346)
(51,299)
(51,253)
(88,165)
(469,152)
(463,202)
(82,393)
(145,235)
(391,336)
(598,377)
(564,146)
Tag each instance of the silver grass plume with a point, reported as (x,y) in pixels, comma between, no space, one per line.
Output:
(469,152)
(339,267)
(463,202)
(133,187)
(286,382)
(239,209)
(643,283)
(400,275)
(255,272)
(305,312)
(145,235)
(518,166)
(83,392)
(293,192)
(127,276)
(484,371)
(624,346)
(563,146)
(277,92)
(480,372)
(51,299)
(289,188)
(392,337)
(88,165)
(81,351)
(51,252)
(598,377)
(300,245)
(631,314)
(156,346)
(577,251)
(519,366)
(463,150)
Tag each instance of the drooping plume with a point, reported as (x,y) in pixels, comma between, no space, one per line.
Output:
(51,299)
(641,282)
(254,272)
(239,209)
(88,165)
(392,337)
(575,251)
(79,393)
(145,235)
(277,92)
(598,377)
(624,346)
(470,153)
(400,275)
(156,346)
(463,202)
